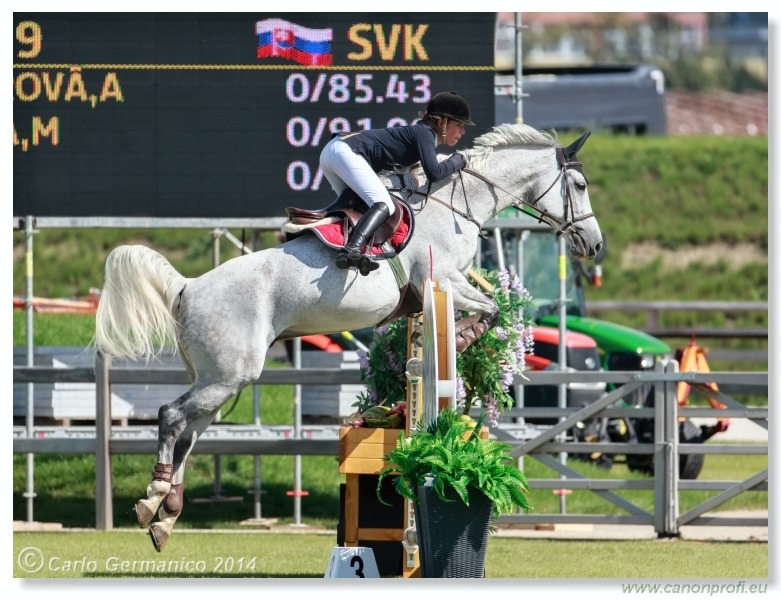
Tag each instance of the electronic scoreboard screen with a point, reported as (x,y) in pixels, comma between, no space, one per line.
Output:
(211,115)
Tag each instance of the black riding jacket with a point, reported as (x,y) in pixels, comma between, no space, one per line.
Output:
(394,147)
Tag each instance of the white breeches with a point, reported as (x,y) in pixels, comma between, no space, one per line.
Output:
(344,168)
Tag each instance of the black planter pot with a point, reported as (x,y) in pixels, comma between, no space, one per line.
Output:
(452,537)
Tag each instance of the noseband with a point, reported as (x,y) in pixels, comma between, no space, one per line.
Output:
(569,219)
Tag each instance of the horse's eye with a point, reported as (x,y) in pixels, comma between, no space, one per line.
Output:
(581,185)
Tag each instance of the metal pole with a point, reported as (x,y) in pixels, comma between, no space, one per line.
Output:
(256,420)
(216,234)
(104,516)
(562,351)
(499,248)
(660,455)
(672,507)
(518,69)
(28,309)
(519,390)
(297,435)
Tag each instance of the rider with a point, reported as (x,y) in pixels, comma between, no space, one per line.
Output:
(354,159)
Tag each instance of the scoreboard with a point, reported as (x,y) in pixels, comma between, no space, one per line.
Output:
(221,115)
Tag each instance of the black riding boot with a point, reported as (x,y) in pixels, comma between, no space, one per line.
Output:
(370,222)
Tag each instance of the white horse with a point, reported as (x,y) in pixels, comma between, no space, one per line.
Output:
(224,321)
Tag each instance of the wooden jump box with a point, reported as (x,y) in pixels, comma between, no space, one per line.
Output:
(361,449)
(366,521)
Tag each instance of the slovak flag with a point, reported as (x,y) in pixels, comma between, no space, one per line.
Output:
(277,37)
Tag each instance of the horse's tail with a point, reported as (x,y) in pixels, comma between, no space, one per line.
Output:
(135,315)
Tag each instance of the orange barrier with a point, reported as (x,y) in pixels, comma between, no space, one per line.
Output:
(87,305)
(692,359)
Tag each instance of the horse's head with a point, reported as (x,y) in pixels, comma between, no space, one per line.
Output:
(550,181)
(566,207)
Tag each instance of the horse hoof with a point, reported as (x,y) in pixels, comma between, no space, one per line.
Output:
(145,513)
(159,537)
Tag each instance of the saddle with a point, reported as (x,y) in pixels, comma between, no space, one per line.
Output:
(334,223)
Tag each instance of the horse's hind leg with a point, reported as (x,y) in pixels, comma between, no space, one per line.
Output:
(174,498)
(171,506)
(193,411)
(162,475)
(155,494)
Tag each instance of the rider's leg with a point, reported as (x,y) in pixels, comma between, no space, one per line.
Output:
(369,223)
(343,167)
(331,164)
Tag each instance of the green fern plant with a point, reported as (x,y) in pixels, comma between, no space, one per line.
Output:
(451,453)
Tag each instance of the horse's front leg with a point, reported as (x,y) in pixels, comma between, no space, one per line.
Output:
(470,329)
(468,298)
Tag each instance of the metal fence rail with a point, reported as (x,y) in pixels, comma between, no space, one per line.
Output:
(665,449)
(654,309)
(104,440)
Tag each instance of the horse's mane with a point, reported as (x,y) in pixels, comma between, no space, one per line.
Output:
(507,134)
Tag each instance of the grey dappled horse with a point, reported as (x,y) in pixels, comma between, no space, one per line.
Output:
(224,321)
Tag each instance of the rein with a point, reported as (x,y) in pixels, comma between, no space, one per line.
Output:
(427,195)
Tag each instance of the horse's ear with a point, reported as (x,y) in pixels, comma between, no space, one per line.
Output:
(571,150)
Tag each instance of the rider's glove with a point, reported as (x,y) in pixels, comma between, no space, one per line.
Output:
(458,160)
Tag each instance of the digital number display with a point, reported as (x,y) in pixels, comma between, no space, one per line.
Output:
(210,115)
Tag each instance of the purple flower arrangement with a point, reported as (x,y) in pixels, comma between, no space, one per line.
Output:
(486,369)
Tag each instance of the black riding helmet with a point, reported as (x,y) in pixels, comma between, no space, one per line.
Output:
(451,106)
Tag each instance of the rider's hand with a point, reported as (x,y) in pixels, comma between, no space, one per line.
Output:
(459,160)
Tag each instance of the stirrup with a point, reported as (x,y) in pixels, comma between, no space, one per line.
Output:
(348,257)
(364,264)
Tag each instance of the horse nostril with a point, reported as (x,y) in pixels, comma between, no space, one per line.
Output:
(597,248)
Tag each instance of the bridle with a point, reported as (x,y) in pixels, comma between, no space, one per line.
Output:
(569,219)
(564,160)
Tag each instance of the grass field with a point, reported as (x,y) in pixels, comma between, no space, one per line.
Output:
(271,555)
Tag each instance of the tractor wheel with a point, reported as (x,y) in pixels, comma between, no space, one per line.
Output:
(642,463)
(690,465)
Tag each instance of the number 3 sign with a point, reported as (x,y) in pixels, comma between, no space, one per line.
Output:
(354,562)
